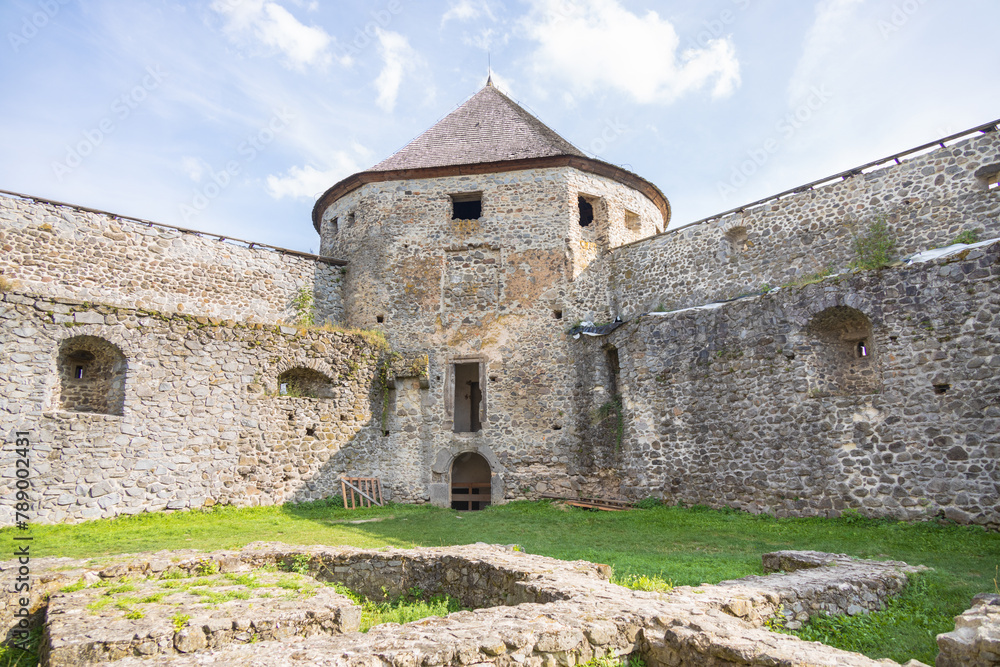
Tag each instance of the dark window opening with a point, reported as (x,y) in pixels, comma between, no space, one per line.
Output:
(586,211)
(471,488)
(557,314)
(467,206)
(468,399)
(862,348)
(941,388)
(350,220)
(333,226)
(380,319)
(79,372)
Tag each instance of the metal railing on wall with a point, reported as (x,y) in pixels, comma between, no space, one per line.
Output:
(253,245)
(991,126)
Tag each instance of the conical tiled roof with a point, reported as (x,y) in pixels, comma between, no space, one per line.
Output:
(490,133)
(489,127)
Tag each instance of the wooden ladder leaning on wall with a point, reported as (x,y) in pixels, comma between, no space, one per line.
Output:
(362,492)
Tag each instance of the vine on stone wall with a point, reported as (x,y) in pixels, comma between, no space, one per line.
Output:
(304,304)
(611,409)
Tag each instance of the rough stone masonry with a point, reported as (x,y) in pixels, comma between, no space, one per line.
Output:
(522,609)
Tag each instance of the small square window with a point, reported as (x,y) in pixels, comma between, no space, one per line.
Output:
(467,206)
(633,221)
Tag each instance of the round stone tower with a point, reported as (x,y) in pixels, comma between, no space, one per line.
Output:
(479,244)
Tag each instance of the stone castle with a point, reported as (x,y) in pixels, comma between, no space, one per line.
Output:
(735,362)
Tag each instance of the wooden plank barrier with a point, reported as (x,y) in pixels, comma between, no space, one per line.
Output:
(471,492)
(361,492)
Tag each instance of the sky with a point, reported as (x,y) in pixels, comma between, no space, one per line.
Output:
(233,116)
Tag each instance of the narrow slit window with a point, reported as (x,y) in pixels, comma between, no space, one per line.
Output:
(468,206)
(79,372)
(333,225)
(614,368)
(586,211)
(862,349)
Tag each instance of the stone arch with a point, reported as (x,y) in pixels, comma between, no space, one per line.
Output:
(92,373)
(843,352)
(471,482)
(304,382)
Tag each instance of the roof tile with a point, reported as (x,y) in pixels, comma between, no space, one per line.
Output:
(489,127)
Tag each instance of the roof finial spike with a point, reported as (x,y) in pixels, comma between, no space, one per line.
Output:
(489,69)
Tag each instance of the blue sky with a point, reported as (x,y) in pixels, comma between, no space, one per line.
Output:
(232,116)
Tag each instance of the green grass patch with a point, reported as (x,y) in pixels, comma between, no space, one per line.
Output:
(683,546)
(11,656)
(208,596)
(915,617)
(413,606)
(642,582)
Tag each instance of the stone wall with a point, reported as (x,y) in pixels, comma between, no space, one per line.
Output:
(201,421)
(759,404)
(928,200)
(70,253)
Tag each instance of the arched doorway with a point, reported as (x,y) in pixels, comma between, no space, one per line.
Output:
(470,482)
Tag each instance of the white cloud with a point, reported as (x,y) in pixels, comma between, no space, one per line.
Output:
(595,45)
(467,10)
(398,58)
(833,30)
(309,182)
(194,167)
(274,27)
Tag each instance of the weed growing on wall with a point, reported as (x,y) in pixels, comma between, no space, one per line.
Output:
(875,247)
(969,236)
(304,304)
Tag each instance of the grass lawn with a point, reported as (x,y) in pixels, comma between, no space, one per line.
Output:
(687,546)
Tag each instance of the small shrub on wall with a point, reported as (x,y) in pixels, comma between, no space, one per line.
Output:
(875,247)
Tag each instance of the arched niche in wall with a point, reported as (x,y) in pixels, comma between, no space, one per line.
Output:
(737,239)
(301,382)
(91,376)
(843,351)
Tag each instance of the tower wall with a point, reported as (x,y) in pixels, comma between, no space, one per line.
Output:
(498,292)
